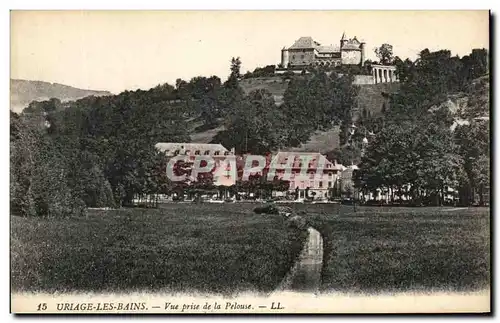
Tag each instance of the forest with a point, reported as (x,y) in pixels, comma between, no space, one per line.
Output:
(99,151)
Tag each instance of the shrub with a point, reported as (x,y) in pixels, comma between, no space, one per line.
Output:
(267,209)
(273,209)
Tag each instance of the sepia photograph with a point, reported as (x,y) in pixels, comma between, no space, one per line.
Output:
(250,162)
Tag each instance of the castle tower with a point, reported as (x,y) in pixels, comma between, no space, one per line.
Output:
(284,57)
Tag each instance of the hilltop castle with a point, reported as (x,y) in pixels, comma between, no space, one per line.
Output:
(307,52)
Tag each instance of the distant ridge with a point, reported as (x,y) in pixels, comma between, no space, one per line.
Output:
(22,92)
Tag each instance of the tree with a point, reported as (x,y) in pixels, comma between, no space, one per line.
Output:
(426,82)
(256,126)
(318,102)
(475,64)
(403,68)
(420,158)
(384,54)
(414,151)
(267,71)
(39,173)
(50,105)
(206,94)
(346,155)
(235,68)
(473,141)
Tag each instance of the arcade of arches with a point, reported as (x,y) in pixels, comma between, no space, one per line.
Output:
(327,63)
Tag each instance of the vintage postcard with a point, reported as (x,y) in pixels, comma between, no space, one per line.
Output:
(248,162)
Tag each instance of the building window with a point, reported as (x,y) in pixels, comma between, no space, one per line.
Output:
(320,184)
(329,184)
(293,56)
(302,56)
(176,152)
(217,153)
(207,152)
(187,152)
(197,152)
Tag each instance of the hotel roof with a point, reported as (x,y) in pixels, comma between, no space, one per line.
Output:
(315,160)
(170,148)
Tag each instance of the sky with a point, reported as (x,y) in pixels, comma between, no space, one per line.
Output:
(128,50)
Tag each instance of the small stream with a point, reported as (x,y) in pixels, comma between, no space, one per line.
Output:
(305,275)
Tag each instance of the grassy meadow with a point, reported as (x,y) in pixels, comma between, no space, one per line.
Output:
(383,249)
(213,248)
(226,248)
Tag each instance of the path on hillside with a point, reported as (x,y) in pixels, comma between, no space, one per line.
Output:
(305,275)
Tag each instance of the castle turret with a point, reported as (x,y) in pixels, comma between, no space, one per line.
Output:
(284,57)
(362,47)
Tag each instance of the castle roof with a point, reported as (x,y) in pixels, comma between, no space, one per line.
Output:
(351,44)
(351,47)
(309,43)
(304,43)
(328,49)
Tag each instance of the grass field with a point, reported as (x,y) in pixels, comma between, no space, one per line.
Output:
(222,248)
(210,248)
(379,249)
